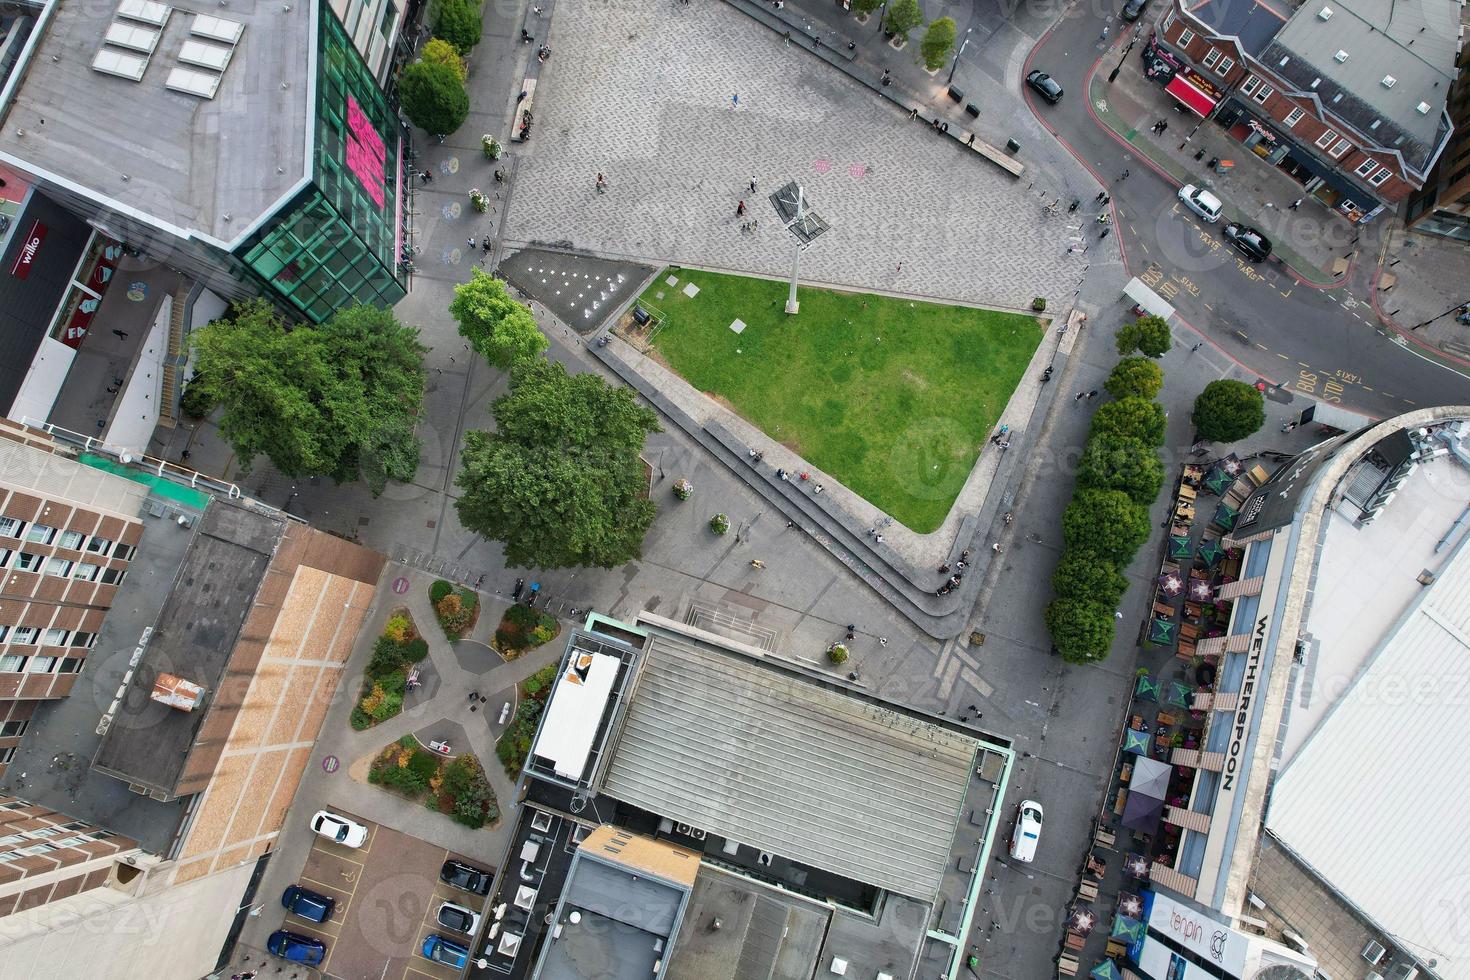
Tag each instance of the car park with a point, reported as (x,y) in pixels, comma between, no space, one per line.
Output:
(1045,86)
(1201,202)
(1249,241)
(1027,832)
(296,948)
(452,915)
(310,905)
(440,949)
(348,833)
(1133,9)
(465,877)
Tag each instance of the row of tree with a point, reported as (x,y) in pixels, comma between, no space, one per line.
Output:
(902,16)
(432,90)
(1119,477)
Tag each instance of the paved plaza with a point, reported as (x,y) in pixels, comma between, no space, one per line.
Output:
(647,95)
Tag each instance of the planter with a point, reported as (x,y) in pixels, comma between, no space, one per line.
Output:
(719,524)
(683,489)
(491,146)
(479,201)
(837,653)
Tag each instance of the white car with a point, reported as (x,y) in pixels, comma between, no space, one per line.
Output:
(347,832)
(1201,202)
(1028,831)
(454,916)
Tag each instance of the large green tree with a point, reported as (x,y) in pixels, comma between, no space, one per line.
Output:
(433,97)
(938,43)
(500,328)
(1131,418)
(866,6)
(1228,410)
(1148,334)
(1135,377)
(1081,630)
(903,16)
(438,51)
(1082,575)
(1106,523)
(1113,462)
(559,481)
(459,24)
(338,399)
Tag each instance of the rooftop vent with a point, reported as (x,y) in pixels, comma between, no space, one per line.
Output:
(146,11)
(1423,108)
(110,61)
(217,29)
(1315,83)
(191,82)
(1340,57)
(132,36)
(1389,81)
(210,56)
(177,692)
(1325,13)
(1373,952)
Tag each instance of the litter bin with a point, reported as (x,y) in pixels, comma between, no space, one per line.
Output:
(956,95)
(1011,145)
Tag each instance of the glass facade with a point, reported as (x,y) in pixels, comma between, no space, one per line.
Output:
(336,243)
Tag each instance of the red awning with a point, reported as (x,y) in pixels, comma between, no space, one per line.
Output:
(1188,93)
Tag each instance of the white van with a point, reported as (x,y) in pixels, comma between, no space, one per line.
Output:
(1027,832)
(1201,202)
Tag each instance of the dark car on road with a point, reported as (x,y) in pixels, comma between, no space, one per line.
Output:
(1045,86)
(1251,243)
(1133,8)
(461,875)
(296,948)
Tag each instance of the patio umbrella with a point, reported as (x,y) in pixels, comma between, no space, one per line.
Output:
(1211,551)
(1225,516)
(1082,919)
(1231,464)
(1179,546)
(1105,971)
(1150,779)
(1147,689)
(1200,591)
(1137,866)
(1127,927)
(1161,631)
(1130,905)
(1218,481)
(1180,694)
(1137,742)
(1142,812)
(1171,584)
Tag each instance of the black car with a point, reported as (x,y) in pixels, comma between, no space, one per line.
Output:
(1251,243)
(1045,86)
(464,877)
(1133,8)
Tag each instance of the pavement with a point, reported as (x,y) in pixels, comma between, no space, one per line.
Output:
(1419,288)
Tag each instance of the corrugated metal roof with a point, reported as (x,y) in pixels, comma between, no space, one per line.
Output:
(718,741)
(1374,802)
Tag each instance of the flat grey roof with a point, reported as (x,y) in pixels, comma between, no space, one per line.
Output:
(626,920)
(766,756)
(1252,22)
(763,932)
(196,631)
(189,161)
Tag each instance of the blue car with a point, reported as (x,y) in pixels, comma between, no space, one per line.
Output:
(307,903)
(297,948)
(447,951)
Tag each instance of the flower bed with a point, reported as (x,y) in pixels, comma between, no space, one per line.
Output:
(515,743)
(522,628)
(386,677)
(456,607)
(456,787)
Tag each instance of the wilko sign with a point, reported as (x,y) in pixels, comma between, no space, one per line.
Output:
(29,246)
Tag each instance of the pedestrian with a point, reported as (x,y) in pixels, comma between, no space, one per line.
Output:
(1106,29)
(471,244)
(780,473)
(752,184)
(882,641)
(485,244)
(184,456)
(1101,196)
(900,267)
(971,141)
(1076,203)
(805,476)
(1080,395)
(1103,234)
(1270,206)
(1163,125)
(1092,394)
(1105,200)
(740,209)
(786,38)
(757,563)
(735,101)
(914,113)
(1005,445)
(995,547)
(1287,426)
(818,488)
(878,538)
(1296,204)
(790,525)
(601,183)
(1124,174)
(120,334)
(1196,347)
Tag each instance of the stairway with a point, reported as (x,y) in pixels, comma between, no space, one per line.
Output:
(168,405)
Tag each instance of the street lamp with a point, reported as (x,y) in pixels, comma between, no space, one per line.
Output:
(805,225)
(956,63)
(1113,75)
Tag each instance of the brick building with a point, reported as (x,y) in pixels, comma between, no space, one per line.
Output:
(1442,206)
(1348,98)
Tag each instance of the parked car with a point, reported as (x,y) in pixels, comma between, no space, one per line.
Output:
(1045,86)
(466,878)
(1133,9)
(1027,832)
(308,904)
(454,916)
(296,948)
(1251,243)
(439,949)
(347,832)
(1201,202)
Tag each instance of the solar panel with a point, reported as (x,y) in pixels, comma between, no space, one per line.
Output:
(112,62)
(217,28)
(146,11)
(192,82)
(132,36)
(210,56)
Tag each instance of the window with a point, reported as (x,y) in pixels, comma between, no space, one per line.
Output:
(69,841)
(1382,175)
(72,540)
(86,571)
(41,665)
(10,839)
(99,545)
(1224,66)
(1366,167)
(70,665)
(1294,116)
(1342,147)
(1212,57)
(60,567)
(11,527)
(35,849)
(13,729)
(101,834)
(7,856)
(5,756)
(1249,85)
(23,634)
(1185,36)
(113,576)
(385,26)
(56,637)
(41,534)
(12,663)
(40,832)
(28,562)
(75,825)
(1325,139)
(1262,94)
(82,639)
(4,632)
(124,551)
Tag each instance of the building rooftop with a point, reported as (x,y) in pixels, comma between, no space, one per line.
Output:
(761,754)
(1251,22)
(207,165)
(1353,53)
(763,932)
(148,743)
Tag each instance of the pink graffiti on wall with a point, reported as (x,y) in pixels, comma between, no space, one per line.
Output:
(366,154)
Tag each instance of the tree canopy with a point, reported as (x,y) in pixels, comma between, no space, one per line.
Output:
(559,482)
(1148,335)
(501,329)
(903,16)
(1083,575)
(1106,523)
(1135,377)
(1114,462)
(866,6)
(938,43)
(459,24)
(1131,418)
(1228,410)
(437,51)
(1081,629)
(339,399)
(433,97)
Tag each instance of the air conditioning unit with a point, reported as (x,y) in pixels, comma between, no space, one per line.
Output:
(1294,940)
(1373,952)
(1325,13)
(683,828)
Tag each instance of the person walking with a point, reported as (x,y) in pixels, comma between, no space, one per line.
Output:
(1092,394)
(1124,175)
(471,241)
(1296,204)
(1080,395)
(757,563)
(900,267)
(1163,126)
(752,184)
(601,183)
(1196,347)
(1107,29)
(971,141)
(740,209)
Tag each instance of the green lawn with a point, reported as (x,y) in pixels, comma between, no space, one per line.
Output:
(892,397)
